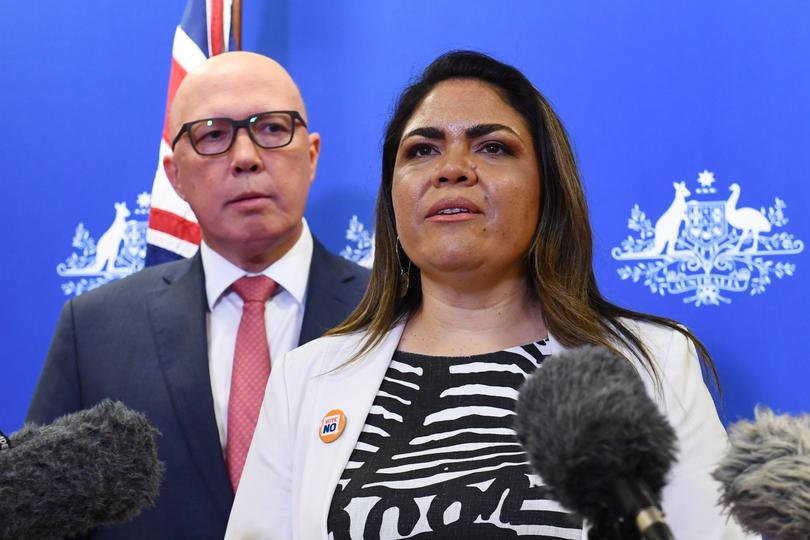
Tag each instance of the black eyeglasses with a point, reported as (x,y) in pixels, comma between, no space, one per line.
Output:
(213,136)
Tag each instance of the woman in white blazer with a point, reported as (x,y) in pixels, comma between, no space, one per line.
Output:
(398,425)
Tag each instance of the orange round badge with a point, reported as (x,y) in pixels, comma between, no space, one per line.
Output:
(332,425)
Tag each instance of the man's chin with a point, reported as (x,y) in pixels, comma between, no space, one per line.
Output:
(268,237)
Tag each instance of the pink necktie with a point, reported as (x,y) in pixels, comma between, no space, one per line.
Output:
(251,367)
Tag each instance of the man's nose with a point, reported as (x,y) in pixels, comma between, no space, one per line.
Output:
(245,153)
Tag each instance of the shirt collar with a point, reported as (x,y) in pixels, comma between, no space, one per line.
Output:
(291,271)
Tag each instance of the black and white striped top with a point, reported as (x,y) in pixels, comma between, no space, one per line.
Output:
(438,456)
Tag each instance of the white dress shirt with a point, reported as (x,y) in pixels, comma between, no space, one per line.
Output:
(284,313)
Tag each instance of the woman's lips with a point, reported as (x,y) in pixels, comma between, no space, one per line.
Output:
(455,209)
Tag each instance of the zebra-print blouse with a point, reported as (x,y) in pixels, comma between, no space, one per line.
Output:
(438,457)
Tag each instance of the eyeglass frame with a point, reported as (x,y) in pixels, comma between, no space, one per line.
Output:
(245,123)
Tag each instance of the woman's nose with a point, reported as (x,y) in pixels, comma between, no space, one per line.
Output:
(455,167)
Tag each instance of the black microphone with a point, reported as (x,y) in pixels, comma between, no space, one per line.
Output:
(765,475)
(598,441)
(87,469)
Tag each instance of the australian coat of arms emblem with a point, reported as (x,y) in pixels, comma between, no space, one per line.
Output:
(117,253)
(708,247)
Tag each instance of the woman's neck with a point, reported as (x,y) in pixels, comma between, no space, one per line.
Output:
(458,320)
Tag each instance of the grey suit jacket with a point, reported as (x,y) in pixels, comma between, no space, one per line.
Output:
(143,341)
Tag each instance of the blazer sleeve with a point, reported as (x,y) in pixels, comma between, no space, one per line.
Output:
(690,499)
(58,390)
(262,509)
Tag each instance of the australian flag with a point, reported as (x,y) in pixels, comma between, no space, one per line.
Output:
(205,31)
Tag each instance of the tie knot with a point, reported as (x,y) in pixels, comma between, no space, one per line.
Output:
(254,288)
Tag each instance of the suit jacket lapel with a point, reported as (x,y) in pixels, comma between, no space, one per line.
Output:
(327,300)
(177,311)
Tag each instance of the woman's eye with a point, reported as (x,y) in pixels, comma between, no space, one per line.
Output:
(494,148)
(421,150)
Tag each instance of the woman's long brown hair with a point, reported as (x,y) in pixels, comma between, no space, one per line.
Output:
(560,260)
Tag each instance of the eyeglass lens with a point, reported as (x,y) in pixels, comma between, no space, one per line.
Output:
(215,136)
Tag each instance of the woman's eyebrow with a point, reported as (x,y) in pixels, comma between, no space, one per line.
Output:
(485,129)
(478,130)
(427,132)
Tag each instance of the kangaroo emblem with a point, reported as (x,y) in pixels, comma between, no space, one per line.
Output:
(668,225)
(106,251)
(110,241)
(666,228)
(751,221)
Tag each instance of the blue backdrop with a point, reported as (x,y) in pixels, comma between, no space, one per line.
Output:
(652,93)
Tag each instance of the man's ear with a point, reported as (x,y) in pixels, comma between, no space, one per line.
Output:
(170,168)
(314,152)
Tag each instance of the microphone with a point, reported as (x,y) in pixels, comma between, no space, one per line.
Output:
(598,442)
(765,475)
(86,469)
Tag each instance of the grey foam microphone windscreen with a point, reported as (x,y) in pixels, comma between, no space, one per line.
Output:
(765,475)
(586,423)
(90,468)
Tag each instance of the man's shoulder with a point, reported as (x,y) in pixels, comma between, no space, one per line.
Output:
(137,284)
(344,269)
(346,279)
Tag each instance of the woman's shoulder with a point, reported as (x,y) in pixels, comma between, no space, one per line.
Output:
(333,351)
(310,361)
(675,359)
(659,339)
(339,355)
(326,347)
(332,342)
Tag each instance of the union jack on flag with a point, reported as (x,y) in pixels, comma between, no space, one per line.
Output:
(204,31)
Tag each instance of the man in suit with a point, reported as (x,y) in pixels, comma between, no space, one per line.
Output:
(166,341)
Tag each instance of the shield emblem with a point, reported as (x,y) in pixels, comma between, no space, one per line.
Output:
(705,223)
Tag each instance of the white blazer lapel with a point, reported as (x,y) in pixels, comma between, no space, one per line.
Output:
(352,390)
